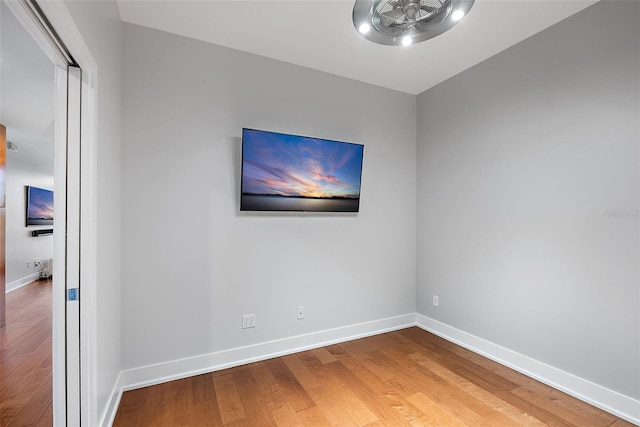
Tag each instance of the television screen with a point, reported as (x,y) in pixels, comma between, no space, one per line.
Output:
(39,206)
(282,172)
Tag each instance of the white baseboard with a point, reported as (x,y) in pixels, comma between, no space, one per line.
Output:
(594,394)
(176,369)
(608,400)
(109,414)
(16,284)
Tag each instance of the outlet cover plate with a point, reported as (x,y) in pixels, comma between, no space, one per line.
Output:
(248,321)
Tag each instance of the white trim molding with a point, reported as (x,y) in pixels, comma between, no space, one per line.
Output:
(17,284)
(108,416)
(594,394)
(176,369)
(145,376)
(608,400)
(61,20)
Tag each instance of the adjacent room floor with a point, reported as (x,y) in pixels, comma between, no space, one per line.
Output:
(404,378)
(25,357)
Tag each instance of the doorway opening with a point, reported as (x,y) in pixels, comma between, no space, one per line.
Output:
(27,110)
(61,367)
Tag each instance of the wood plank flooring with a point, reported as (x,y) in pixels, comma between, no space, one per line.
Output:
(25,357)
(404,378)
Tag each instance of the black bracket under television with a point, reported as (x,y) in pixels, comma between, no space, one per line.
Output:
(45,232)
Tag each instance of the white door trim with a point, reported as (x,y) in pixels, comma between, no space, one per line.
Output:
(62,21)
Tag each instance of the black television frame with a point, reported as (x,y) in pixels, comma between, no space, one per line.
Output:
(291,203)
(29,198)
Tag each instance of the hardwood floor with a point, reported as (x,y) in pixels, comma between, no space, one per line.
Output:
(403,378)
(25,357)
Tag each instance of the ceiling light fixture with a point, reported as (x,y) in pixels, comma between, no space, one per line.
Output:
(391,22)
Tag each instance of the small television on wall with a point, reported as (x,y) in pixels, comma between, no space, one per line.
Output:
(282,172)
(39,206)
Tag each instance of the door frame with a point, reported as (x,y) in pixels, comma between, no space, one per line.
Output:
(61,20)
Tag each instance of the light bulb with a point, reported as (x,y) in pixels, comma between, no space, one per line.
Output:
(457,14)
(364,28)
(406,41)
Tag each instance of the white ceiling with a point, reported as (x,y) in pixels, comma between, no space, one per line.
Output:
(321,35)
(314,34)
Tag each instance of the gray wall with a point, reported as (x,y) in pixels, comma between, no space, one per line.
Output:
(100,26)
(192,264)
(528,197)
(21,246)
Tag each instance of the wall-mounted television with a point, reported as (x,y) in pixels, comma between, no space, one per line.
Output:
(282,172)
(39,206)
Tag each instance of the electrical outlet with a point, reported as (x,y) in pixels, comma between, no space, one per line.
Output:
(300,312)
(436,301)
(28,264)
(248,321)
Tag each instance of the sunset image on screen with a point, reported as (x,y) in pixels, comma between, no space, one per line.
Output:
(287,166)
(40,209)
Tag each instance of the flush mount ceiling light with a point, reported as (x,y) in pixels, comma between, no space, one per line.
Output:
(403,22)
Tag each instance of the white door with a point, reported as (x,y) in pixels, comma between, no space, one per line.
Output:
(66,251)
(72,245)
